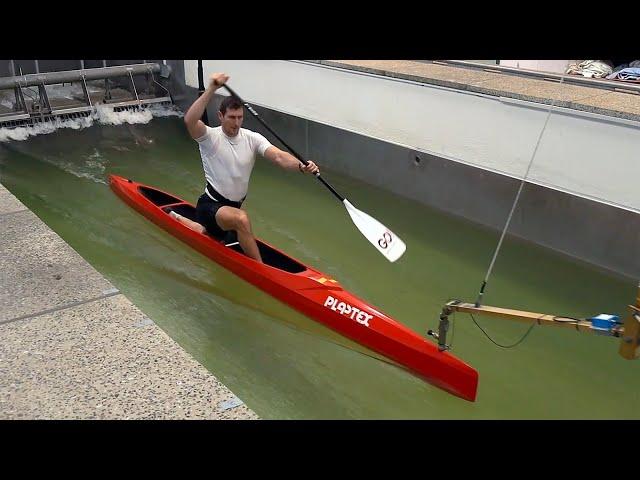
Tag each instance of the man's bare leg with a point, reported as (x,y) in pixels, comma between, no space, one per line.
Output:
(230,218)
(189,223)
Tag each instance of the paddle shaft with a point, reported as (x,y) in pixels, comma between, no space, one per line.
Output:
(204,118)
(293,152)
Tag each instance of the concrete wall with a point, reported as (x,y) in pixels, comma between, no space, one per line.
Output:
(183,96)
(555,66)
(580,227)
(581,154)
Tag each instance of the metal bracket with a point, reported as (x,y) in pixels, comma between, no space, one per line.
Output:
(443,326)
(107,91)
(630,344)
(133,86)
(44,98)
(20,103)
(86,90)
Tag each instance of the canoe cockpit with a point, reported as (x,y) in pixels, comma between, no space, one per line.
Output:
(269,256)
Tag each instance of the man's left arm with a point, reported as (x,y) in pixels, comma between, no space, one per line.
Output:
(287,161)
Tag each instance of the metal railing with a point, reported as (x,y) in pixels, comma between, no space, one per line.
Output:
(40,108)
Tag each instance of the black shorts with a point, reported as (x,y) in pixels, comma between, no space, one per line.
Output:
(206,210)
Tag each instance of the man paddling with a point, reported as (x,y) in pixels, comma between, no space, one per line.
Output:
(228,154)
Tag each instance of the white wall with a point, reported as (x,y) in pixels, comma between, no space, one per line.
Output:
(556,66)
(597,158)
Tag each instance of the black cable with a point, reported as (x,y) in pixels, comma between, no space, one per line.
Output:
(565,319)
(496,343)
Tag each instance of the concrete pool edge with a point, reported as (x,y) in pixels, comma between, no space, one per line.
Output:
(74,347)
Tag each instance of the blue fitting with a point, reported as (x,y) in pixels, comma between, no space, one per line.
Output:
(604,321)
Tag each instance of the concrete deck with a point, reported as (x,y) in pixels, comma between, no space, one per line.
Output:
(74,347)
(491,82)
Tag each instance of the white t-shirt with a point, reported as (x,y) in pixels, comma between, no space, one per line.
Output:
(228,161)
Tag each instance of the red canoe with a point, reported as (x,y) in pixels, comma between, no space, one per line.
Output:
(309,291)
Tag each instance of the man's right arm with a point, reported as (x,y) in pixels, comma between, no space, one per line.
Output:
(196,127)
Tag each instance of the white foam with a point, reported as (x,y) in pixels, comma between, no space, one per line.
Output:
(107,116)
(73,91)
(62,91)
(164,111)
(104,115)
(22,133)
(93,167)
(96,156)
(96,162)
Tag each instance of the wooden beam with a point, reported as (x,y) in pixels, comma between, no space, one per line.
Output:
(630,344)
(629,332)
(529,317)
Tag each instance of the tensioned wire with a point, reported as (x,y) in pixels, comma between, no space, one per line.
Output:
(517,198)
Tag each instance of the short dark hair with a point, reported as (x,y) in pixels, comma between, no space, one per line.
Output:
(229,102)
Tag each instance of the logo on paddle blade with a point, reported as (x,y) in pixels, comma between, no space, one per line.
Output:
(385,240)
(348,310)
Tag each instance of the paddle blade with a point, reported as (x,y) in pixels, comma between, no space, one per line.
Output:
(387,243)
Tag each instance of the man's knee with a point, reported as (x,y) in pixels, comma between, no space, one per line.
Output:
(242,221)
(234,220)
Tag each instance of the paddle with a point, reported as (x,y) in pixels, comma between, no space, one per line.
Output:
(387,243)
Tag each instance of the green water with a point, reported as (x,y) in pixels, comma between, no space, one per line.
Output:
(286,366)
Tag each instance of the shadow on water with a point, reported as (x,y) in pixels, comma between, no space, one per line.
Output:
(240,293)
